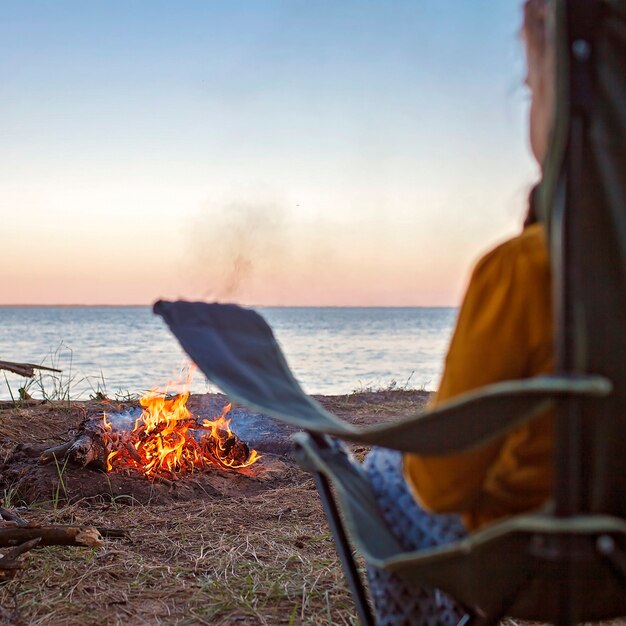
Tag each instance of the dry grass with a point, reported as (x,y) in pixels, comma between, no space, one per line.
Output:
(268,559)
(262,559)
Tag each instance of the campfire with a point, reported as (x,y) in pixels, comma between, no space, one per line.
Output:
(162,439)
(167,438)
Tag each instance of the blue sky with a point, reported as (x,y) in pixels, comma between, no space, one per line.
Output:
(294,152)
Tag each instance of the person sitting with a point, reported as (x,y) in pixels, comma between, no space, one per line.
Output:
(503,332)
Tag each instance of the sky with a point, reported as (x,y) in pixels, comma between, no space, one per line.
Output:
(267,152)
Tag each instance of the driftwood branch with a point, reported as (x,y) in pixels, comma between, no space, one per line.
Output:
(24,369)
(51,535)
(17,536)
(10,561)
(12,516)
(15,519)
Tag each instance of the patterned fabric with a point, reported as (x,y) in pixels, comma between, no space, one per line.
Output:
(396,602)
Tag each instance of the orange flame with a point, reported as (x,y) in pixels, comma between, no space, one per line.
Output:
(224,439)
(165,440)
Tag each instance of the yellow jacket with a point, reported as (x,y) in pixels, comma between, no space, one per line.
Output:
(504,332)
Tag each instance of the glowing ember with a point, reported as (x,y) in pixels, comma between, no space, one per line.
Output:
(168,439)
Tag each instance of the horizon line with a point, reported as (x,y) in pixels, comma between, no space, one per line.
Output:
(254,306)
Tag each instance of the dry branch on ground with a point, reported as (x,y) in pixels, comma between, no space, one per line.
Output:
(24,369)
(17,537)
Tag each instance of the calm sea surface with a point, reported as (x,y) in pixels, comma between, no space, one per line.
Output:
(123,350)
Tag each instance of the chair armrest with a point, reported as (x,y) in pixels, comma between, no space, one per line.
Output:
(474,418)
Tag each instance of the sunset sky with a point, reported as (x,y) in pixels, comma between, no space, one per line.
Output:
(293,152)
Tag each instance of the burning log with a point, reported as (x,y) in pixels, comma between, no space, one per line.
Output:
(227,446)
(161,441)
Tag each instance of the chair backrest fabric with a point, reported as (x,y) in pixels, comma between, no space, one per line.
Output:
(583,202)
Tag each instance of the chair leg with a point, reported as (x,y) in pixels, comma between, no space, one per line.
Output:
(566,610)
(466,620)
(566,592)
(607,547)
(494,617)
(343,550)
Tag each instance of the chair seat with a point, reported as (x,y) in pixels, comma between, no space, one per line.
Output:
(524,555)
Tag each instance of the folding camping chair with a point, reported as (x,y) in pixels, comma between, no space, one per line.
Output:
(563,566)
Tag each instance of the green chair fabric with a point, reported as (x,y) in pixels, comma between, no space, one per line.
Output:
(582,201)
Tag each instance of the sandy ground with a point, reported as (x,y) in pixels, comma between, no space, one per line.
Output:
(219,549)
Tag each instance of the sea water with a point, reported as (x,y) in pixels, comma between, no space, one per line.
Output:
(124,351)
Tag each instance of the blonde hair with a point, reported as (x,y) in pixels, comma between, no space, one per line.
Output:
(534,26)
(541,74)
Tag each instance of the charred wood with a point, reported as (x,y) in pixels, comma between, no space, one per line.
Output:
(87,450)
(82,451)
(57,452)
(133,453)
